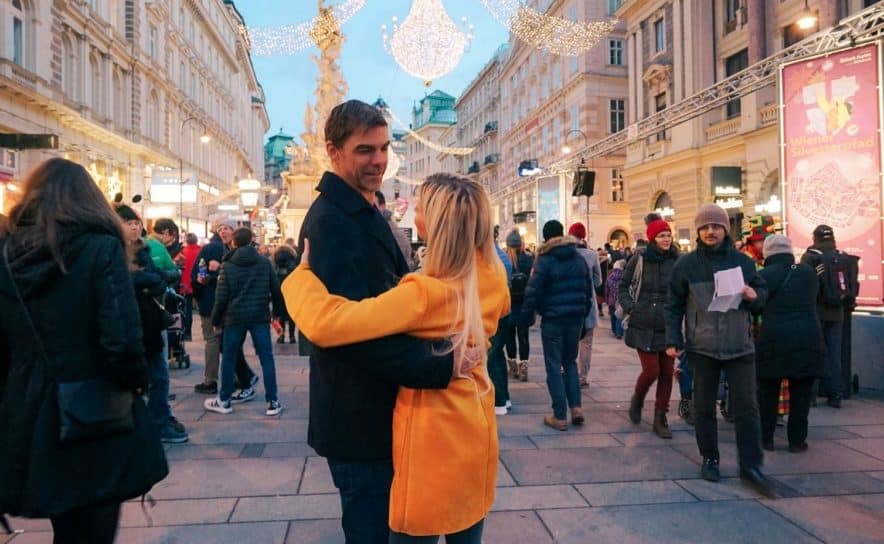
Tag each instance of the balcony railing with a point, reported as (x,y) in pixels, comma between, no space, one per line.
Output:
(769,114)
(474,168)
(722,129)
(492,158)
(490,126)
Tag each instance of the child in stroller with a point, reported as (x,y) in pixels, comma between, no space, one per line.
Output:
(177,356)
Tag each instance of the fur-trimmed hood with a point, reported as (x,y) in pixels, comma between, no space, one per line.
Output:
(567,243)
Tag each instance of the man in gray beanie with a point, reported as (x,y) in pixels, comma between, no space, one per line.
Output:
(716,341)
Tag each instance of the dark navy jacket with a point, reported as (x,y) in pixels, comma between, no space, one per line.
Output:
(560,288)
(204,293)
(353,388)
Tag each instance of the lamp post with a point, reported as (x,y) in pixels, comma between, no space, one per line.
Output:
(581,168)
(204,139)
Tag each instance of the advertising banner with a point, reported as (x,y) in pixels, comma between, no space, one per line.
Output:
(549,202)
(831,154)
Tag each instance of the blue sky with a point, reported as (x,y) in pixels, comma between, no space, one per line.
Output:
(290,80)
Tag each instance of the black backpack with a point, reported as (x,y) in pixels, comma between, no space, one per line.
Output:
(518,284)
(838,278)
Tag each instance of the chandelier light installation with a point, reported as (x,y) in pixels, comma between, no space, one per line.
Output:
(553,34)
(289,39)
(427,44)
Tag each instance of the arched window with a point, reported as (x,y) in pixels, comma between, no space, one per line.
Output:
(152,116)
(119,111)
(97,83)
(68,68)
(663,205)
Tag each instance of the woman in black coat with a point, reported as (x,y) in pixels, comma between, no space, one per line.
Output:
(285,260)
(65,256)
(790,344)
(646,331)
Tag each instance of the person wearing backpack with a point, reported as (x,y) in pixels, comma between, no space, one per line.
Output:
(833,271)
(522,264)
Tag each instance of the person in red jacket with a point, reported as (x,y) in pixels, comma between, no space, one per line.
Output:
(189,253)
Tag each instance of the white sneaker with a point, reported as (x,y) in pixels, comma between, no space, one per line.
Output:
(273,408)
(508,405)
(243,395)
(217,405)
(500,410)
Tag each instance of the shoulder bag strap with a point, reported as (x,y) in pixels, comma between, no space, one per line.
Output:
(785,281)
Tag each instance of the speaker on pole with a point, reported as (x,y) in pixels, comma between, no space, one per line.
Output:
(584,183)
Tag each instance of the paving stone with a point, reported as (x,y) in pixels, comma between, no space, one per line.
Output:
(856,519)
(288,449)
(503,476)
(833,483)
(270,533)
(873,447)
(589,465)
(176,452)
(318,531)
(532,424)
(876,475)
(571,440)
(287,507)
(853,412)
(624,493)
(865,431)
(230,431)
(213,478)
(644,436)
(700,522)
(317,478)
(515,528)
(181,512)
(534,497)
(726,489)
(817,433)
(515,443)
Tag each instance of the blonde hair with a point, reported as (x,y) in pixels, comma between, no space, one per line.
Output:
(458,218)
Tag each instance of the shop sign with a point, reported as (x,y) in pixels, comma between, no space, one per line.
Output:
(727,185)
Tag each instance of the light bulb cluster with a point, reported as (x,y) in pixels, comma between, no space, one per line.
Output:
(553,34)
(427,44)
(289,39)
(429,143)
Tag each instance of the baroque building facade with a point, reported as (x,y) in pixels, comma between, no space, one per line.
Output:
(136,92)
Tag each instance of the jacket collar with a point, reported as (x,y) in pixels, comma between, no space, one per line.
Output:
(558,241)
(342,195)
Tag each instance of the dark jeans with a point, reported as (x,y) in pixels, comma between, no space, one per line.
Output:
(187,316)
(234,336)
(93,524)
(656,366)
(686,378)
(799,406)
(742,404)
(560,356)
(616,324)
(833,386)
(364,487)
(517,332)
(470,535)
(497,370)
(158,392)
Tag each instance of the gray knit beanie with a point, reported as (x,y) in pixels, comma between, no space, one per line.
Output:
(513,239)
(776,244)
(711,214)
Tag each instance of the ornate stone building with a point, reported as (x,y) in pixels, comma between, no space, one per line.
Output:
(130,88)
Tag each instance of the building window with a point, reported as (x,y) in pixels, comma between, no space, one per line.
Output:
(660,105)
(616,186)
(659,36)
(618,115)
(575,117)
(614,5)
(731,10)
(153,116)
(97,81)
(792,34)
(18,41)
(733,64)
(119,101)
(68,69)
(152,42)
(615,52)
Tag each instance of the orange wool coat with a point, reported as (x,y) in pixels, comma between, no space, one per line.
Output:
(444,441)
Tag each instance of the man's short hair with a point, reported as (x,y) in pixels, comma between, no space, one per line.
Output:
(191,238)
(349,116)
(379,196)
(165,225)
(242,237)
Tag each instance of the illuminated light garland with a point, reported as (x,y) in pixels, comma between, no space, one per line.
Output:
(427,44)
(289,39)
(553,34)
(429,143)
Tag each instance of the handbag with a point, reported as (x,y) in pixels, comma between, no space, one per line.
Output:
(635,287)
(87,409)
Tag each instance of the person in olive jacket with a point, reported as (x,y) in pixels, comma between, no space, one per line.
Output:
(64,248)
(646,332)
(790,344)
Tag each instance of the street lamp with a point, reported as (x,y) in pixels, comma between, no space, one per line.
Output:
(204,138)
(248,192)
(566,149)
(808,18)
(584,180)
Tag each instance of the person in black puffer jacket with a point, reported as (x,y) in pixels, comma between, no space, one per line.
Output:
(791,341)
(66,258)
(646,332)
(285,260)
(246,285)
(561,291)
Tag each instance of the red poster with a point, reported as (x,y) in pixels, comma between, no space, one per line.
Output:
(832,157)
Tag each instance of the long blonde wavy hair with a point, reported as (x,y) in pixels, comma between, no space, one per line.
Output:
(457,213)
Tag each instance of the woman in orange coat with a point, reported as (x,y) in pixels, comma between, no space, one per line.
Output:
(444,441)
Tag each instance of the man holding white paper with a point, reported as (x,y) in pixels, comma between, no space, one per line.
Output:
(712,293)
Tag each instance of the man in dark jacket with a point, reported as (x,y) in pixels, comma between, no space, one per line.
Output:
(561,291)
(831,315)
(246,285)
(716,340)
(204,283)
(353,388)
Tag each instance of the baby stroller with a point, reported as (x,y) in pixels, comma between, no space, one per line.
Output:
(178,357)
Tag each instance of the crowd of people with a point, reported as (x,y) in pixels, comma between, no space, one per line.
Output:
(428,382)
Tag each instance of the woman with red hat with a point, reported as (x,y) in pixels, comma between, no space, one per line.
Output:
(642,294)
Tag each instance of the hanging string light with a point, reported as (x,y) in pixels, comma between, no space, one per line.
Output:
(427,44)
(289,39)
(554,34)
(429,143)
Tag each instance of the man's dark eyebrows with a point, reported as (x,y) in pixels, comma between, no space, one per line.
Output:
(367,147)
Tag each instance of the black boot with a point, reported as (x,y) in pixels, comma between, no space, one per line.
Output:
(635,409)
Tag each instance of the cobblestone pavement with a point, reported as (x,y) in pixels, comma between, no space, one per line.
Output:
(248,477)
